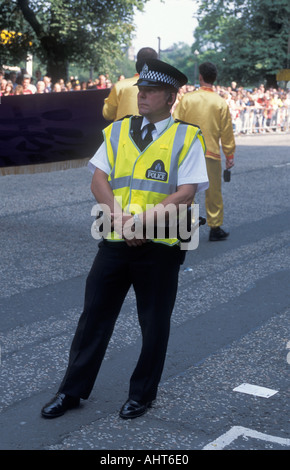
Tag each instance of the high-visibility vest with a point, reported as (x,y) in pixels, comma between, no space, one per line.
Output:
(141,178)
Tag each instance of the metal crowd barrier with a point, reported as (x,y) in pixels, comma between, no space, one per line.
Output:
(252,120)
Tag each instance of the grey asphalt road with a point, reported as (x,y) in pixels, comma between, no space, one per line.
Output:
(230,324)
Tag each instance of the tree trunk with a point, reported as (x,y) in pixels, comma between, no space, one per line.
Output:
(271,81)
(56,62)
(57,66)
(57,69)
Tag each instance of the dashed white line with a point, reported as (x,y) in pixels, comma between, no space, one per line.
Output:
(255,390)
(281,165)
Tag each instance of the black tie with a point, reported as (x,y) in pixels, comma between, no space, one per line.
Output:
(148,137)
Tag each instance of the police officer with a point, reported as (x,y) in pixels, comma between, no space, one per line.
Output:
(132,169)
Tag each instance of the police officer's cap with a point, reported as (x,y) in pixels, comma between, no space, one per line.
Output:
(157,73)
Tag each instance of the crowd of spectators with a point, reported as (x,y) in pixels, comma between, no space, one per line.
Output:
(253,110)
(12,83)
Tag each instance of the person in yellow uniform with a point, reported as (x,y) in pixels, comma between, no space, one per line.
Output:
(210,112)
(147,165)
(122,99)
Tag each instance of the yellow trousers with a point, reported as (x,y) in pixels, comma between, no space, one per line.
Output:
(213,195)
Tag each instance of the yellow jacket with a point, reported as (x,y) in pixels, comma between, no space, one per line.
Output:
(122,100)
(210,112)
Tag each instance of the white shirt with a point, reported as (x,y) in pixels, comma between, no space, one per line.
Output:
(191,171)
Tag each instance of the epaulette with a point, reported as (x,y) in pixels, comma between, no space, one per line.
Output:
(129,116)
(187,123)
(125,117)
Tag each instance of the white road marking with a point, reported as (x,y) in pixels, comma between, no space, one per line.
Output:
(281,165)
(237,431)
(255,390)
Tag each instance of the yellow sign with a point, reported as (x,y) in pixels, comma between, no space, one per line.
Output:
(283,75)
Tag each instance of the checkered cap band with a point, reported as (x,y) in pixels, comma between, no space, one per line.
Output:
(160,77)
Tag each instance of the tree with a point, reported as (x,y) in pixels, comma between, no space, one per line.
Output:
(247,39)
(89,33)
(180,56)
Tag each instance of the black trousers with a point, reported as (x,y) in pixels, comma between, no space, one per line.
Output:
(152,269)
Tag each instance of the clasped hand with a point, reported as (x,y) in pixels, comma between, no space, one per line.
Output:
(124,225)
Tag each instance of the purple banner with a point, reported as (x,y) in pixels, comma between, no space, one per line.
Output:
(50,127)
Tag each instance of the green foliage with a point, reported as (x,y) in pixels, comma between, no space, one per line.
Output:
(180,56)
(88,33)
(248,40)
(124,67)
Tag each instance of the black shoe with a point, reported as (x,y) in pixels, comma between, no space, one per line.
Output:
(133,409)
(216,234)
(59,405)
